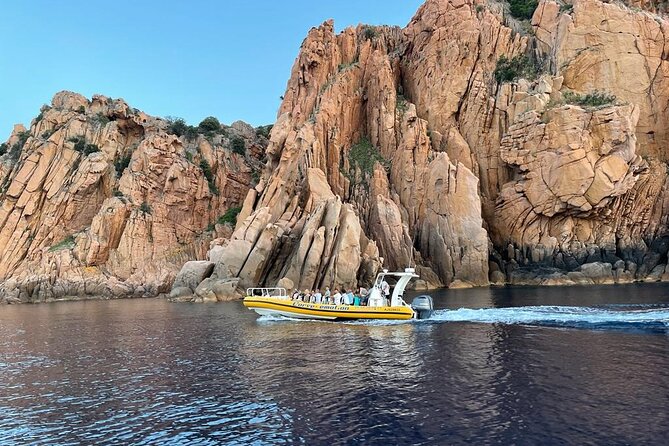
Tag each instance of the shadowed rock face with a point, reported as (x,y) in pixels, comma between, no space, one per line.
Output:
(97,199)
(391,147)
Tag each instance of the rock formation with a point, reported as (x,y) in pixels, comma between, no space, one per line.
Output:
(471,177)
(474,145)
(99,200)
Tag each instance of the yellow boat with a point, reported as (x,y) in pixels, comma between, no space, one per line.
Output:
(303,310)
(275,302)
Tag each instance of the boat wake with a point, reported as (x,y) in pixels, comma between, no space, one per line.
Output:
(644,317)
(609,317)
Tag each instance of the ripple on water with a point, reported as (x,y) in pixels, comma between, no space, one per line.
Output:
(148,372)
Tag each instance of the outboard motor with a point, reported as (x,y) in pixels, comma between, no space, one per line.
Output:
(423,306)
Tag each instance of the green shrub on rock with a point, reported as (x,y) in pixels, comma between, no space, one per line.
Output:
(237,145)
(230,216)
(363,156)
(67,243)
(594,99)
(210,124)
(523,9)
(264,131)
(209,175)
(81,146)
(145,208)
(509,70)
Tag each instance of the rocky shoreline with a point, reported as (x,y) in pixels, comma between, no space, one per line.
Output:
(188,289)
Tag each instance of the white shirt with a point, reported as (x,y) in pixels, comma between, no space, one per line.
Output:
(317,298)
(337,298)
(385,288)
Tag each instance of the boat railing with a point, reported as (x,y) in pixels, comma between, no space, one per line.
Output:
(267,292)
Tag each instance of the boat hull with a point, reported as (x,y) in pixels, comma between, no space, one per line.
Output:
(271,306)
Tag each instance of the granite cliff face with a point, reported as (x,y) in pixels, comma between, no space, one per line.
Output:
(99,200)
(555,176)
(479,147)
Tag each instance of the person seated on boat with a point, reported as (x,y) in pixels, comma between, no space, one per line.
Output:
(336,297)
(295,295)
(364,299)
(356,300)
(318,297)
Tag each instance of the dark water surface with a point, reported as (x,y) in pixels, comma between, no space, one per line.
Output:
(581,365)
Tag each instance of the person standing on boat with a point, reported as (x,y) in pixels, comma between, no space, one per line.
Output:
(356,300)
(385,288)
(318,297)
(326,295)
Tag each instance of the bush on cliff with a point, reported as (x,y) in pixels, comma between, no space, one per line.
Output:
(14,151)
(66,243)
(101,119)
(230,216)
(145,208)
(122,163)
(237,145)
(209,175)
(369,32)
(509,70)
(264,131)
(210,124)
(178,127)
(82,147)
(362,157)
(523,9)
(594,99)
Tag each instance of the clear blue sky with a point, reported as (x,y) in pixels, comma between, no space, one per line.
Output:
(182,58)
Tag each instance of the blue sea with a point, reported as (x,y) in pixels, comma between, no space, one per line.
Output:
(531,365)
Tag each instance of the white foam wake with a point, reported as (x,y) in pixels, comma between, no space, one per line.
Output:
(557,315)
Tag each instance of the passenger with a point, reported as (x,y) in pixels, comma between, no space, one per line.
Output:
(385,288)
(349,297)
(296,295)
(327,295)
(364,300)
(356,300)
(337,297)
(306,296)
(318,297)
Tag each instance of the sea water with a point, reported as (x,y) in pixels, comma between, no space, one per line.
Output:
(578,365)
